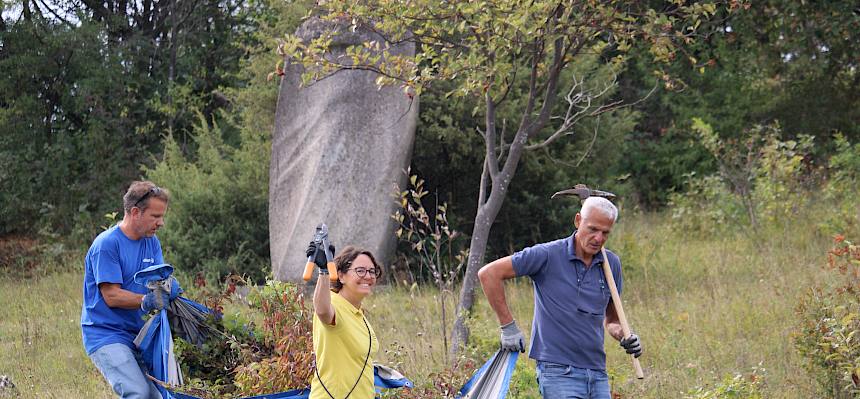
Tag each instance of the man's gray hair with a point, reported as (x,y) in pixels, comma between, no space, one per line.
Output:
(601,205)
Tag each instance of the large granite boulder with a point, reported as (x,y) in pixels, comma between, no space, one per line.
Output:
(340,147)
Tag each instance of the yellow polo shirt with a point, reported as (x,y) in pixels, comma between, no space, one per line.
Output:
(340,352)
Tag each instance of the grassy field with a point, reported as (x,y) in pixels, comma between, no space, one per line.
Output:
(704,308)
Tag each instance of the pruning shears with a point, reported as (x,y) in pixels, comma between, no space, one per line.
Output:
(321,243)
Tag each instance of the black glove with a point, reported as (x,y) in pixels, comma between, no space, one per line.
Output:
(320,260)
(631,345)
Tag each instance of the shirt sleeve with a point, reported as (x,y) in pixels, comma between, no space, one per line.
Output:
(530,261)
(106,267)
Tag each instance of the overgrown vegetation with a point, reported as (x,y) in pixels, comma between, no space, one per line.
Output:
(828,334)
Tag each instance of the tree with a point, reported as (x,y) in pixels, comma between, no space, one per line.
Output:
(89,89)
(484,48)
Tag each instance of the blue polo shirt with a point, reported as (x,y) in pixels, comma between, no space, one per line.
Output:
(570,302)
(114,258)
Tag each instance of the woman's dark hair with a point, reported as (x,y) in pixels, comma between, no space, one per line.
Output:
(344,260)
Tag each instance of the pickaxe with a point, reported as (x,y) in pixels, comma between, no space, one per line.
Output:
(582,192)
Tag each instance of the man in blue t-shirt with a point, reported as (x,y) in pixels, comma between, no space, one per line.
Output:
(114,305)
(571,305)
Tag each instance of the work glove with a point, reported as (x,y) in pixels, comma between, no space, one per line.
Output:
(154,300)
(175,288)
(631,345)
(512,338)
(320,260)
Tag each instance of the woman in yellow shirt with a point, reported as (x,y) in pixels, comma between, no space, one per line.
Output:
(344,342)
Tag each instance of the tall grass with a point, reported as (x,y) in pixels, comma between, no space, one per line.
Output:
(40,339)
(705,308)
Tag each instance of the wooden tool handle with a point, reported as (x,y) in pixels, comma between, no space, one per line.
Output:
(619,309)
(309,271)
(332,271)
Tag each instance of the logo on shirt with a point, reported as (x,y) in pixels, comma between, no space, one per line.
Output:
(148,260)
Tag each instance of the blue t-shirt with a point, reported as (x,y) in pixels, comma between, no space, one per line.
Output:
(570,302)
(114,258)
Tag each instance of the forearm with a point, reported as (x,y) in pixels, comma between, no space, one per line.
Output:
(614,330)
(123,299)
(322,299)
(494,289)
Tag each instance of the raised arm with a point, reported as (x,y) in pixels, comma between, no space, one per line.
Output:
(322,300)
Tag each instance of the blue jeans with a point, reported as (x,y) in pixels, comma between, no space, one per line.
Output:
(559,381)
(123,368)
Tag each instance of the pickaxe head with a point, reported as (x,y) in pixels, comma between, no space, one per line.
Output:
(582,191)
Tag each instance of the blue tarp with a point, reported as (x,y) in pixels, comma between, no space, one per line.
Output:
(491,381)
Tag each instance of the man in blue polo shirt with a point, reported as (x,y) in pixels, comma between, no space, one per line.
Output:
(571,305)
(114,304)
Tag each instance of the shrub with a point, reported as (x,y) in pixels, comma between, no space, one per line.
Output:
(841,190)
(218,218)
(706,207)
(287,329)
(761,178)
(435,251)
(737,386)
(827,336)
(240,359)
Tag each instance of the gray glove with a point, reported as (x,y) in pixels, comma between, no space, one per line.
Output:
(154,300)
(631,345)
(512,338)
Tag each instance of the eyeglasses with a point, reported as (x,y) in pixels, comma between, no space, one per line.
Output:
(152,191)
(363,271)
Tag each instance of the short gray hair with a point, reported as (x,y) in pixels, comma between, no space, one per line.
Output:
(600,204)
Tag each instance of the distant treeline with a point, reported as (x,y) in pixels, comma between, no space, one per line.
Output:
(95,94)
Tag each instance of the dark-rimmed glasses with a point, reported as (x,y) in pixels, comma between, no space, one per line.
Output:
(152,191)
(363,272)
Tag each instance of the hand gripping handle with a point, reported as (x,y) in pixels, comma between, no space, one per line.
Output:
(619,310)
(321,243)
(309,269)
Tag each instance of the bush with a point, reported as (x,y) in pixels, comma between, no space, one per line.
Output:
(761,178)
(241,359)
(287,330)
(218,218)
(827,336)
(737,386)
(841,191)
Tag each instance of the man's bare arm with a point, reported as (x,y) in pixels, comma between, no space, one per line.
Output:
(612,323)
(116,297)
(492,278)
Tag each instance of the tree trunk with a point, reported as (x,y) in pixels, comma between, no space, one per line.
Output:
(477,249)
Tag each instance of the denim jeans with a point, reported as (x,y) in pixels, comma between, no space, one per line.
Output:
(123,368)
(559,381)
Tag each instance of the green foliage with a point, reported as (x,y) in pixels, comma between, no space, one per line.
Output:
(218,218)
(85,101)
(706,206)
(841,191)
(64,114)
(524,381)
(734,387)
(481,45)
(760,179)
(829,323)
